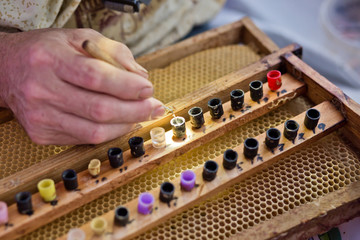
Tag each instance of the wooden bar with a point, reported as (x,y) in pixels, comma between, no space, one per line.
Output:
(320,89)
(330,120)
(109,179)
(78,157)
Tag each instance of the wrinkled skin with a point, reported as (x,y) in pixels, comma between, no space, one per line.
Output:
(61,95)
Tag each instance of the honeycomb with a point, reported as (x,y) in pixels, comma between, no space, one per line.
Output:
(195,71)
(17,152)
(323,167)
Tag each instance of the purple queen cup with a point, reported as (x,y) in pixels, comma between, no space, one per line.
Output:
(145,203)
(187,180)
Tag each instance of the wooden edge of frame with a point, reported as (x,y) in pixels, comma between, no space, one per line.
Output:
(330,120)
(311,218)
(77,158)
(109,178)
(320,89)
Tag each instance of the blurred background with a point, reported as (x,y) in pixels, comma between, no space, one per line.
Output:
(328,30)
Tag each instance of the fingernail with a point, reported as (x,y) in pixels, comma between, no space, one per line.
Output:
(158,112)
(146,93)
(141,68)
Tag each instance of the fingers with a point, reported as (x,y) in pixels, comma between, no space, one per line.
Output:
(122,54)
(60,128)
(106,109)
(89,132)
(99,76)
(118,51)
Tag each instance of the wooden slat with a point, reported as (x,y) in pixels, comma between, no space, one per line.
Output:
(77,158)
(330,120)
(320,89)
(91,189)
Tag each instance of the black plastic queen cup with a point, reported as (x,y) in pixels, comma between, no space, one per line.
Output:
(311,118)
(115,156)
(251,147)
(121,217)
(210,169)
(167,190)
(178,127)
(23,202)
(291,128)
(229,159)
(256,90)
(196,117)
(70,180)
(237,99)
(272,138)
(137,146)
(216,108)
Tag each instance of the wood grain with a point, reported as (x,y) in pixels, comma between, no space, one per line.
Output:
(78,157)
(330,120)
(90,188)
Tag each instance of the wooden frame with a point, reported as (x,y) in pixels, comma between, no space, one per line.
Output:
(77,157)
(331,119)
(90,188)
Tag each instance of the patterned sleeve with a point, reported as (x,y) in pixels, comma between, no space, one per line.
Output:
(157,25)
(27,15)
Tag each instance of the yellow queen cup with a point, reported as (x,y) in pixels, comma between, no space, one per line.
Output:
(47,190)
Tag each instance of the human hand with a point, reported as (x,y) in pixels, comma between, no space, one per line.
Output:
(60,95)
